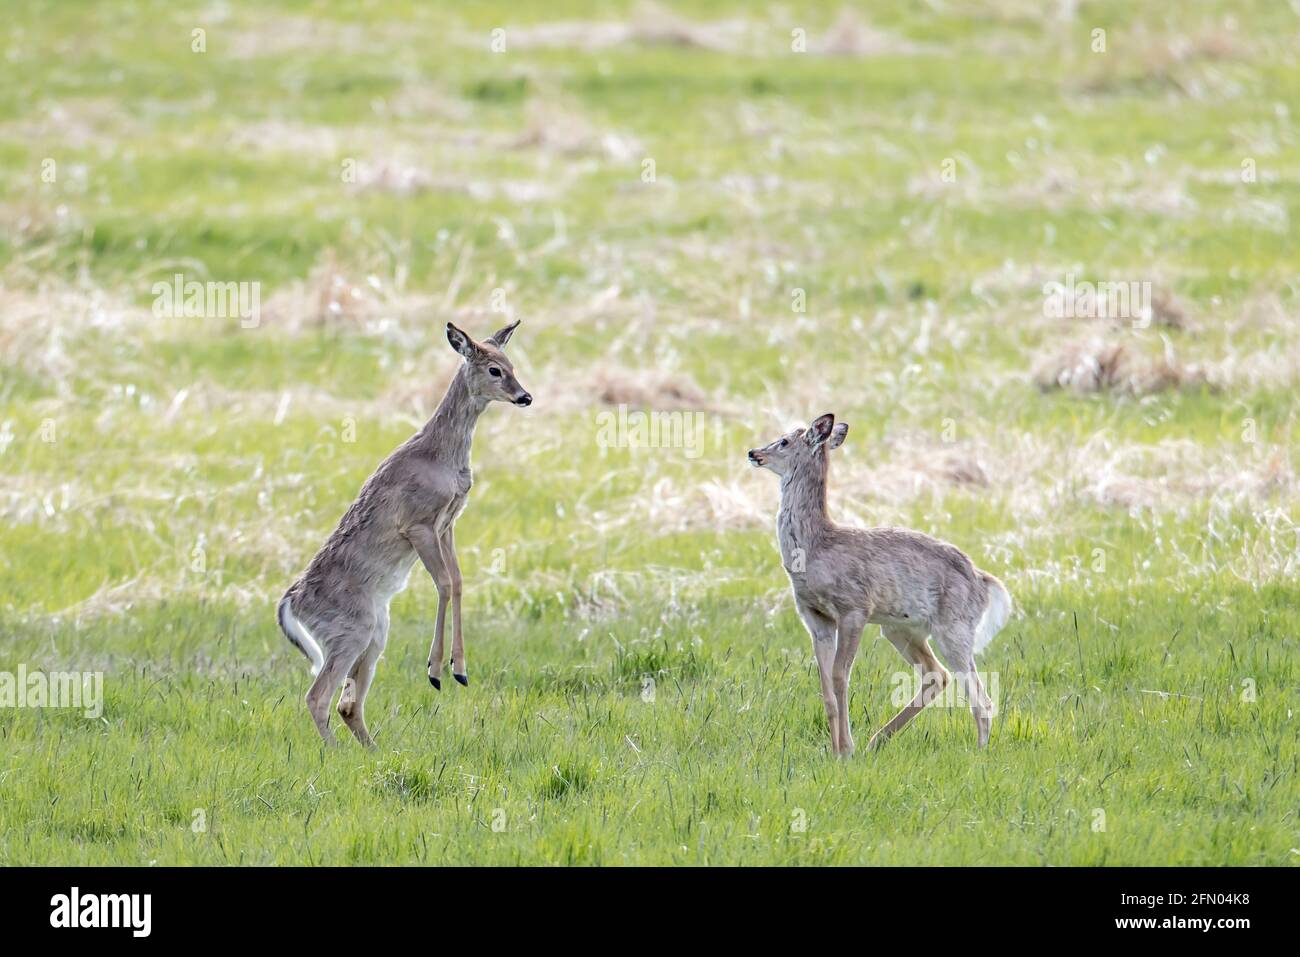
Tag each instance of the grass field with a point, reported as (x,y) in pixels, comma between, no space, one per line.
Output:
(690,216)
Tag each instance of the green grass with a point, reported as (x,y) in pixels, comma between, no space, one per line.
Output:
(642,690)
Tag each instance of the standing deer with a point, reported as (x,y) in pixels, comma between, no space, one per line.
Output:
(337,612)
(910,584)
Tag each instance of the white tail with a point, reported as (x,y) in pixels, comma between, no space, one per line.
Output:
(299,636)
(996,612)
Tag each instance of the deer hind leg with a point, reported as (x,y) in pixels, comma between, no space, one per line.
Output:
(912,645)
(448,543)
(981,705)
(957,642)
(352,703)
(339,659)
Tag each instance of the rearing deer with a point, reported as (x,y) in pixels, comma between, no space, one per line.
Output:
(337,612)
(910,584)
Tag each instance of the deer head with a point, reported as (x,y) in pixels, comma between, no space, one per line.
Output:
(489,374)
(800,447)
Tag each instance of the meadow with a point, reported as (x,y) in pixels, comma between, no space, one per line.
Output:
(735,216)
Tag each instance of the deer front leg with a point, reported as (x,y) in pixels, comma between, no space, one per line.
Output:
(850,636)
(457,637)
(427,546)
(822,630)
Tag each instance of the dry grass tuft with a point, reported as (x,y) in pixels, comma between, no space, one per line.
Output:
(29,221)
(851,36)
(373,297)
(1168,312)
(1098,365)
(39,327)
(649,25)
(1172,62)
(406,179)
(72,123)
(391,176)
(288,35)
(647,389)
(551,127)
(906,468)
(281,136)
(1060,186)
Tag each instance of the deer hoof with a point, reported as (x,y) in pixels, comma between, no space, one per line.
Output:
(463,679)
(437,685)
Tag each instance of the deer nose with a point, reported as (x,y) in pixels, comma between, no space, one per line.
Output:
(524,400)
(753,456)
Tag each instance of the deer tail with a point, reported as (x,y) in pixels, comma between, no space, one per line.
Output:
(997,609)
(299,636)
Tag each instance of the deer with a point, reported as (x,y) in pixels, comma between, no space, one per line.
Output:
(914,586)
(336,614)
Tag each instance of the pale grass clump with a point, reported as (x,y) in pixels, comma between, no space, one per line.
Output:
(398,177)
(422,99)
(283,36)
(204,398)
(77,123)
(1185,63)
(554,126)
(907,468)
(852,36)
(649,25)
(28,498)
(718,504)
(278,135)
(371,295)
(1099,365)
(31,221)
(1277,367)
(148,589)
(41,325)
(1175,474)
(645,389)
(1060,186)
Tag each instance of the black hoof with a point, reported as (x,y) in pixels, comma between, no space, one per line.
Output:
(437,685)
(463,679)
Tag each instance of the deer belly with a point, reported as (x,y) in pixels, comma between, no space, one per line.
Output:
(393,577)
(899,620)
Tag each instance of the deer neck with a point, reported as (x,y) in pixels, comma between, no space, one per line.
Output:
(803,517)
(449,434)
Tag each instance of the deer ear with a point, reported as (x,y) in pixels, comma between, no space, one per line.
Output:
(837,435)
(502,336)
(820,430)
(460,341)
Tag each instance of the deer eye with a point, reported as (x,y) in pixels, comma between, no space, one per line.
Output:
(784,443)
(494,372)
